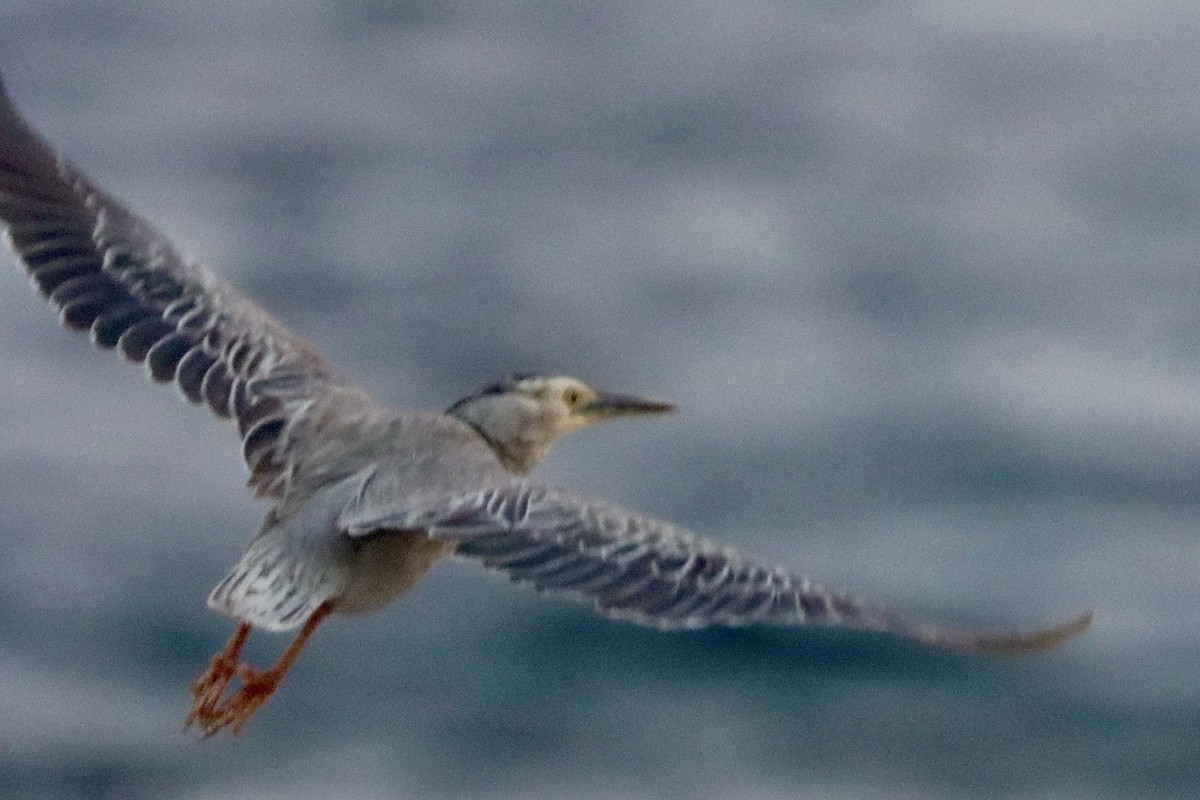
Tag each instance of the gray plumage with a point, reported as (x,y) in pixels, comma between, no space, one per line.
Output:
(365,498)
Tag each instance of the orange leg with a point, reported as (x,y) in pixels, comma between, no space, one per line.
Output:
(208,688)
(257,685)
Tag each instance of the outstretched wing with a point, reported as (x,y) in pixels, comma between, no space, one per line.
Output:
(110,273)
(655,573)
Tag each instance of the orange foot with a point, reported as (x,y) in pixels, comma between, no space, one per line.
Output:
(212,711)
(257,686)
(210,686)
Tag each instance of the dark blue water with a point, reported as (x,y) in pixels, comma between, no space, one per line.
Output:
(922,279)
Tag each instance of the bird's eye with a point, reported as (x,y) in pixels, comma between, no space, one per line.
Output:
(572,397)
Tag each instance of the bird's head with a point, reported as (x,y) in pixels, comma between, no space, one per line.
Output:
(521,416)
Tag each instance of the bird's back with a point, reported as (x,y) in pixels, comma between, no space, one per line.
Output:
(397,453)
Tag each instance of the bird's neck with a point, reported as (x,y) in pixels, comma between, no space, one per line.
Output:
(518,454)
(517,457)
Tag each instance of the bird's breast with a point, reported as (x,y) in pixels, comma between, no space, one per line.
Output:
(385,565)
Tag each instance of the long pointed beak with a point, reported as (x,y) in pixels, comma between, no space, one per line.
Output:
(608,406)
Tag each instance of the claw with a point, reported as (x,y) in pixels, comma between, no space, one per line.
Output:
(240,706)
(210,686)
(212,711)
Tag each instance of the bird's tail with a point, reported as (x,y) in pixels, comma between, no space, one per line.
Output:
(276,586)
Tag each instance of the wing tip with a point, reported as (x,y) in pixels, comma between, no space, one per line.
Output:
(5,99)
(10,118)
(1013,643)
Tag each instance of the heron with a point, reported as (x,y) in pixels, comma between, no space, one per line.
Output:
(364,498)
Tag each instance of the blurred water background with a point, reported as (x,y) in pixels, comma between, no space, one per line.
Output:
(921,276)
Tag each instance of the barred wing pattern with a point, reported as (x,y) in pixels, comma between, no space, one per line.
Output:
(110,273)
(655,573)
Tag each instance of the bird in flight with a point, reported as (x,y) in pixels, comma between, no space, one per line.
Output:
(364,498)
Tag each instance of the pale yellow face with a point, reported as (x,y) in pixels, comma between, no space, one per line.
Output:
(567,403)
(522,417)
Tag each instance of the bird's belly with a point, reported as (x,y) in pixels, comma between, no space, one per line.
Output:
(384,566)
